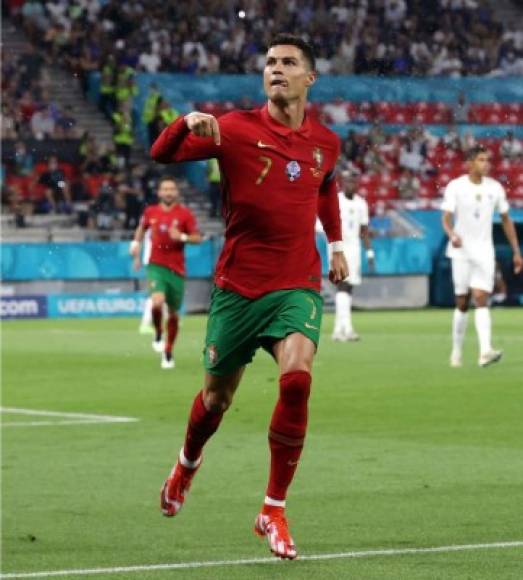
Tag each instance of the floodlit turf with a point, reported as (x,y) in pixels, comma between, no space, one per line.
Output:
(402,452)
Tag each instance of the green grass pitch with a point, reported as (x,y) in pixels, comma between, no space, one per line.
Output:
(402,452)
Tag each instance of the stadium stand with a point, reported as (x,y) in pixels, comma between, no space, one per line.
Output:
(403,151)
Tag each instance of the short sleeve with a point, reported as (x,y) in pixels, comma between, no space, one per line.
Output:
(145,220)
(502,204)
(190,225)
(449,198)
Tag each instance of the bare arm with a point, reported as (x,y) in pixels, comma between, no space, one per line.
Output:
(365,237)
(512,237)
(136,245)
(448,226)
(178,236)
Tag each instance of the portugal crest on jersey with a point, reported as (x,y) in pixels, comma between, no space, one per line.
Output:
(293,170)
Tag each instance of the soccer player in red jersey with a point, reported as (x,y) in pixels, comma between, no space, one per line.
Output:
(277,166)
(172,226)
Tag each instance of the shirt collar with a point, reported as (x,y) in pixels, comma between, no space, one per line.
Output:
(283,130)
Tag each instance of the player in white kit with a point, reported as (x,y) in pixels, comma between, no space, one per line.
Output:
(355,228)
(146,324)
(468,210)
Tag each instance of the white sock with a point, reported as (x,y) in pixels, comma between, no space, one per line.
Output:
(187,462)
(349,313)
(147,317)
(459,328)
(342,311)
(483,328)
(274,502)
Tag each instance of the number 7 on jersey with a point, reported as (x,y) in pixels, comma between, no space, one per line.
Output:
(267,167)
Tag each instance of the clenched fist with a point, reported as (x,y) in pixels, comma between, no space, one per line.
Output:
(203,125)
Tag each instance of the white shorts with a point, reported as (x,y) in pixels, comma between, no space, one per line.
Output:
(353,255)
(468,274)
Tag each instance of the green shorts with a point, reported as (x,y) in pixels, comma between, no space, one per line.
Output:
(161,279)
(238,326)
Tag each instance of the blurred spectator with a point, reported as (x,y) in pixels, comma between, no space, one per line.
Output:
(337,112)
(149,112)
(367,36)
(511,149)
(408,185)
(374,162)
(150,60)
(467,141)
(411,158)
(123,134)
(66,125)
(107,99)
(81,200)
(13,203)
(57,195)
(451,138)
(105,214)
(8,122)
(42,123)
(460,109)
(23,160)
(351,147)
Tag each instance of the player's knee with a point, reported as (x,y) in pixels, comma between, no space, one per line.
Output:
(158,301)
(295,387)
(344,287)
(481,299)
(217,401)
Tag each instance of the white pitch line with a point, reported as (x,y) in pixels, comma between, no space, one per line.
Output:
(69,418)
(60,423)
(216,563)
(20,411)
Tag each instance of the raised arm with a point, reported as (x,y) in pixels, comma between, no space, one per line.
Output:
(195,136)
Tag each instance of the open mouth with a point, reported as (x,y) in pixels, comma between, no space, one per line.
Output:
(278,83)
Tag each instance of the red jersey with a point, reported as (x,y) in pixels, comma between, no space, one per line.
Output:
(164,250)
(275,181)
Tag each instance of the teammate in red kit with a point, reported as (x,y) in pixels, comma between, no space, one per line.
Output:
(277,166)
(172,226)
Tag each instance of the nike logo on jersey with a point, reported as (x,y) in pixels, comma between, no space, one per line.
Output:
(312,327)
(263,145)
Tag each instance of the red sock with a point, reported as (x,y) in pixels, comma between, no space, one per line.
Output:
(157,313)
(172,331)
(202,425)
(287,431)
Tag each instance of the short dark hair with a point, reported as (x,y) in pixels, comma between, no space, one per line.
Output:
(474,151)
(166,178)
(293,40)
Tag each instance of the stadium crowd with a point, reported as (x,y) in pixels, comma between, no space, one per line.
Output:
(27,110)
(105,189)
(408,169)
(393,37)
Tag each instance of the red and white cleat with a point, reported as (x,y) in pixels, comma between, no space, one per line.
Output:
(272,524)
(172,494)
